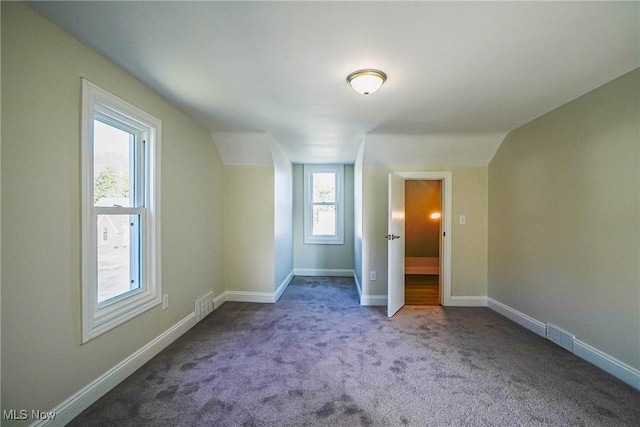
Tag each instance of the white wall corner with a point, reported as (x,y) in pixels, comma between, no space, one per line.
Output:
(276,150)
(85,397)
(259,297)
(219,300)
(602,360)
(355,279)
(283,286)
(373,300)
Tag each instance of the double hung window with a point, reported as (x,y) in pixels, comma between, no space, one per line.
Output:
(120,211)
(323,208)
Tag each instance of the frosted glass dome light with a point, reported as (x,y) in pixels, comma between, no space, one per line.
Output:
(367,81)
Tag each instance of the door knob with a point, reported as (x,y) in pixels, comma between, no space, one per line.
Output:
(391,236)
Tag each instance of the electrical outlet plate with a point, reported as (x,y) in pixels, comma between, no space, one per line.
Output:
(165,301)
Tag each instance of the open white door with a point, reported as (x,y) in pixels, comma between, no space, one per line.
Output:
(395,287)
(395,276)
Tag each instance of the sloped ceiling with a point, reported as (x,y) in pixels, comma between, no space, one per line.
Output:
(460,74)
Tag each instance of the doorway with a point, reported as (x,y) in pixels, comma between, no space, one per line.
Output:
(397,237)
(423,214)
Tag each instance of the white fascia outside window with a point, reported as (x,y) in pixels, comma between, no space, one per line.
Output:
(120,211)
(324,204)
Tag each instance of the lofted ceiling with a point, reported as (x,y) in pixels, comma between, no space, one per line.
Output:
(460,74)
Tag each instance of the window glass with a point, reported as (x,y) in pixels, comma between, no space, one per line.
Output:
(112,165)
(324,187)
(118,260)
(324,220)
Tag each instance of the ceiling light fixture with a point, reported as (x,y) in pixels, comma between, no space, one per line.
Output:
(366,81)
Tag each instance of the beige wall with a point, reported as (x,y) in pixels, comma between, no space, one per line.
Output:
(468,242)
(339,257)
(283,216)
(43,362)
(565,219)
(249,228)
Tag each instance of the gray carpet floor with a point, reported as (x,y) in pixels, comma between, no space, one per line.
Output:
(317,358)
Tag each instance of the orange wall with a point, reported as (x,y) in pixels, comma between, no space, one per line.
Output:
(422,233)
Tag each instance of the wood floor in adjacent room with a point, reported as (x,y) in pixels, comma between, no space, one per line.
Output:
(421,289)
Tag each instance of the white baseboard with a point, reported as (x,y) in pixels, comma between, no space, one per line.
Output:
(373,300)
(259,297)
(81,400)
(474,301)
(609,364)
(283,286)
(219,300)
(245,296)
(323,272)
(602,360)
(520,318)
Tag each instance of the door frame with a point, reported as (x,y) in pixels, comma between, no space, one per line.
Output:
(446,178)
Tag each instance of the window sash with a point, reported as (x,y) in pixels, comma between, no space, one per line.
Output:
(136,238)
(334,226)
(137,158)
(314,179)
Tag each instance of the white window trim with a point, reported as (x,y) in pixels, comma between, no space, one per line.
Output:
(100,318)
(308,210)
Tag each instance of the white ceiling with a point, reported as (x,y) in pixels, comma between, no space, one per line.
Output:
(460,74)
